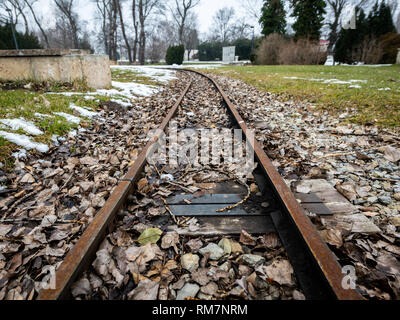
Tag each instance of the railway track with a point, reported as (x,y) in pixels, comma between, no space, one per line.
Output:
(208,200)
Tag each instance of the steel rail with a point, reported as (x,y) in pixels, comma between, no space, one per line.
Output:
(85,249)
(317,247)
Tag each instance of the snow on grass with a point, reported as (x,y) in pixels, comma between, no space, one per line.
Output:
(69,118)
(355,86)
(384,89)
(196,66)
(27,126)
(24,141)
(130,89)
(41,116)
(327,81)
(155,74)
(21,154)
(124,103)
(83,112)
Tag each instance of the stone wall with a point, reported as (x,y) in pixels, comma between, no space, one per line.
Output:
(42,65)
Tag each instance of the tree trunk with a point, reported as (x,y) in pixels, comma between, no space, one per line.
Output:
(142,37)
(46,39)
(135,25)
(128,47)
(112,34)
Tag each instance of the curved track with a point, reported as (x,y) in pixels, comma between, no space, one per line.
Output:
(318,274)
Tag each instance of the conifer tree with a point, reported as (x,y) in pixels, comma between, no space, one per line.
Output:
(273,17)
(310,16)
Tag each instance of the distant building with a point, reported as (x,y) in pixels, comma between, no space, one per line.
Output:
(228,54)
(324,44)
(191,56)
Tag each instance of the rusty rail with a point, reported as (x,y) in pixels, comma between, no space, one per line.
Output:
(317,247)
(85,249)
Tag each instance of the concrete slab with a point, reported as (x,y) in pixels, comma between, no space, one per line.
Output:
(53,65)
(42,52)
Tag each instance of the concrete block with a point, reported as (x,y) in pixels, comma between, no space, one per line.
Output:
(95,69)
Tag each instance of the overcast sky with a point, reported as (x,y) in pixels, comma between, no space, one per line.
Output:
(205,11)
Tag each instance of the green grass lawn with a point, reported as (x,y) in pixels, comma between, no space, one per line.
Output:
(33,102)
(125,75)
(371,105)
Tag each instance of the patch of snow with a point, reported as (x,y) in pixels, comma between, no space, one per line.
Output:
(123,103)
(83,112)
(27,126)
(196,66)
(68,117)
(21,154)
(72,133)
(327,81)
(2,188)
(384,89)
(24,141)
(355,86)
(54,139)
(130,89)
(155,74)
(360,64)
(41,116)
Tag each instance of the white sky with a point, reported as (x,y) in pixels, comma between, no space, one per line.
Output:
(205,11)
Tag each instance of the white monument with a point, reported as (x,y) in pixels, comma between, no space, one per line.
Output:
(228,54)
(330,61)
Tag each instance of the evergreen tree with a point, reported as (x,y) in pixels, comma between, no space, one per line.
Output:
(351,38)
(380,20)
(273,17)
(175,55)
(378,23)
(310,15)
(25,41)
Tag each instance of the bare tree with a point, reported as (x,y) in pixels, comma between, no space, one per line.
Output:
(30,4)
(335,10)
(102,15)
(222,23)
(190,37)
(67,10)
(19,8)
(145,8)
(113,26)
(180,14)
(7,5)
(395,9)
(136,28)
(128,46)
(252,8)
(336,7)
(241,29)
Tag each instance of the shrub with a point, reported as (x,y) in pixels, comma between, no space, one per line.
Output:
(390,42)
(275,49)
(175,54)
(369,51)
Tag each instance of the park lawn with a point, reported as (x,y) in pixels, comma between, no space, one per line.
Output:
(35,106)
(369,104)
(129,75)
